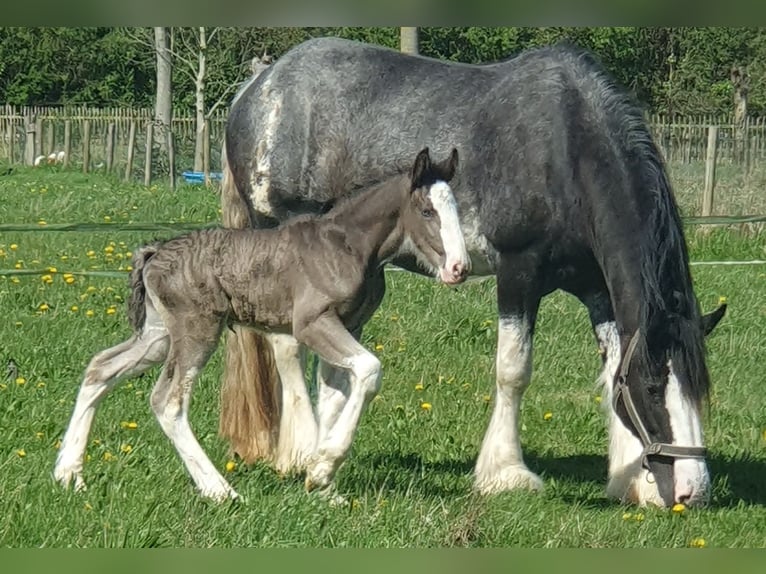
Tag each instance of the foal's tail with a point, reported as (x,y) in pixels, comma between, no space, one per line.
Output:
(251,390)
(137,301)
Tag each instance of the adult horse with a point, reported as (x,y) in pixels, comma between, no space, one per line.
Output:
(561,187)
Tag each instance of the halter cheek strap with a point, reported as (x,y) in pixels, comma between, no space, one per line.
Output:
(621,391)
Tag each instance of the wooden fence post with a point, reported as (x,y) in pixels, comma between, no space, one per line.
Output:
(206,151)
(712,149)
(148,158)
(86,146)
(11,140)
(109,147)
(39,137)
(29,141)
(131,145)
(171,159)
(67,141)
(50,139)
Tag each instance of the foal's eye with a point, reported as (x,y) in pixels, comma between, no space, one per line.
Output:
(427,213)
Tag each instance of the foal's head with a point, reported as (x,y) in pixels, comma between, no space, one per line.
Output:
(430,220)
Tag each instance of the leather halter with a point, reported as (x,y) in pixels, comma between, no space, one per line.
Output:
(621,391)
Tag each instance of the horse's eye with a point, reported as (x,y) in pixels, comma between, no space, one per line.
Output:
(427,213)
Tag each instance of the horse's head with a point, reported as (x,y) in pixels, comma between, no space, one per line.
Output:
(659,410)
(432,231)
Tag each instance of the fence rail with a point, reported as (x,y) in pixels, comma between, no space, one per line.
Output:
(123,141)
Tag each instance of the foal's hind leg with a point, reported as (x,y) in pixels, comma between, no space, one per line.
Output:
(628,480)
(128,359)
(334,344)
(190,349)
(500,465)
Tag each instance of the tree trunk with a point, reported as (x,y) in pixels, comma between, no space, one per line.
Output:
(163,107)
(408,38)
(741,83)
(199,103)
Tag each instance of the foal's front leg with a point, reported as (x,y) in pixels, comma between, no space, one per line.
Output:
(329,338)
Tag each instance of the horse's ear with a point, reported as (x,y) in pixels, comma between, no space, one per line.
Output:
(449,166)
(710,320)
(420,168)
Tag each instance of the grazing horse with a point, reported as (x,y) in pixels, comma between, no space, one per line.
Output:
(309,278)
(561,187)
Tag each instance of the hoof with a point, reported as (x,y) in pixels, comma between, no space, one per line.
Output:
(508,479)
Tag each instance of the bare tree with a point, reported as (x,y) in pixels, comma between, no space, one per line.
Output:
(408,40)
(740,80)
(163,107)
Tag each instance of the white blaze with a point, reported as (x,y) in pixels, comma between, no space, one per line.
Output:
(445,205)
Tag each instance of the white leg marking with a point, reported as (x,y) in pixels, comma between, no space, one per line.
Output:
(172,412)
(500,465)
(334,388)
(103,374)
(297,426)
(456,255)
(333,448)
(692,481)
(628,480)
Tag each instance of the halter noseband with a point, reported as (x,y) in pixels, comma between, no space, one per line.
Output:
(621,391)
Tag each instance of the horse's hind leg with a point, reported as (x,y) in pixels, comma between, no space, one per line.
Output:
(128,359)
(500,465)
(172,394)
(297,425)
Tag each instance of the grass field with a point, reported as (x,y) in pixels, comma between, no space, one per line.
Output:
(408,477)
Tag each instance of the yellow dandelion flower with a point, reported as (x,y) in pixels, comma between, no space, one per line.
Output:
(355,504)
(378,347)
(128,254)
(722,299)
(129,268)
(42,222)
(426,406)
(57,444)
(96,442)
(40,385)
(21,452)
(231,466)
(43,307)
(678,508)
(109,249)
(111,311)
(697,543)
(65,257)
(108,456)
(547,416)
(74,308)
(639,517)
(39,434)
(88,506)
(69,280)
(91,253)
(65,275)
(52,270)
(487,398)
(132,425)
(15,280)
(419,387)
(89,313)
(3,386)
(2,252)
(46,279)
(19,264)
(394,318)
(13,247)
(90,289)
(126,448)
(19,323)
(627,515)
(597,398)
(21,381)
(107,218)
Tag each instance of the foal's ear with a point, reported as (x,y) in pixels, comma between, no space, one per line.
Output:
(448,167)
(420,168)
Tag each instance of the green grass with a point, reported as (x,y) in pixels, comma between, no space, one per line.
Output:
(408,476)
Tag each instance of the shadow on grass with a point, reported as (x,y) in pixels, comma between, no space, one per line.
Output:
(735,480)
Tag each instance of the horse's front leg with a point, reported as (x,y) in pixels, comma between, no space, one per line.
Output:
(334,344)
(500,465)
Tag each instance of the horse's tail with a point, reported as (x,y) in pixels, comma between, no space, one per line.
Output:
(137,301)
(251,389)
